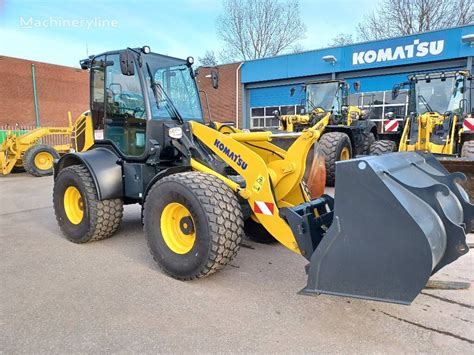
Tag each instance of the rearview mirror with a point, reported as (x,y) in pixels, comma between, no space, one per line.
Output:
(395,92)
(356,86)
(127,63)
(292,92)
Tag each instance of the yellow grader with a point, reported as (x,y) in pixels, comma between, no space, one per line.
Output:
(394,221)
(28,152)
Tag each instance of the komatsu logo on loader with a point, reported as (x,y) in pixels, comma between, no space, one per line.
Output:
(234,157)
(416,49)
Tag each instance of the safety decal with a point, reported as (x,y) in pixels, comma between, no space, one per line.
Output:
(265,208)
(258,183)
(391,126)
(468,124)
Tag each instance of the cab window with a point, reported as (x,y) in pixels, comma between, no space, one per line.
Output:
(125,116)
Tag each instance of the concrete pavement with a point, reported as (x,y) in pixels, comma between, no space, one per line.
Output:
(109,296)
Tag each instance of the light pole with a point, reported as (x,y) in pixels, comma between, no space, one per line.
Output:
(331,59)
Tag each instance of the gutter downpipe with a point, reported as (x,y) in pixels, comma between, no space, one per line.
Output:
(35,95)
(237,88)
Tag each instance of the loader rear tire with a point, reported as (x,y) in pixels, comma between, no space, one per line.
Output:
(468,150)
(81,216)
(38,160)
(193,224)
(368,141)
(336,146)
(383,147)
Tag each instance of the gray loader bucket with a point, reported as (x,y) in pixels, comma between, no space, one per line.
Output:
(397,219)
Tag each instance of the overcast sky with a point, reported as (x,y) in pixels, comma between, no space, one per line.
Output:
(62,32)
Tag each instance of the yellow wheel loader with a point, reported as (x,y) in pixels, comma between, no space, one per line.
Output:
(198,183)
(347,131)
(440,121)
(28,152)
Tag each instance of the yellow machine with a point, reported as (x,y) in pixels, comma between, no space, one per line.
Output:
(29,153)
(200,183)
(347,132)
(440,121)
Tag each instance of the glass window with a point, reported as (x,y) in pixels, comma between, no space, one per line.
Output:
(373,98)
(355,100)
(324,95)
(98,91)
(272,122)
(439,96)
(125,109)
(259,111)
(171,88)
(269,110)
(400,99)
(287,110)
(375,113)
(398,111)
(300,109)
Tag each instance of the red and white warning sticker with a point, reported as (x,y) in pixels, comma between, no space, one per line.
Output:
(468,124)
(265,208)
(391,126)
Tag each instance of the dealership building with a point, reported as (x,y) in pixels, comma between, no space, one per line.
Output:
(377,65)
(249,92)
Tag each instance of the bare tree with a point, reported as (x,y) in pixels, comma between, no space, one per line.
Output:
(208,59)
(252,29)
(404,17)
(342,39)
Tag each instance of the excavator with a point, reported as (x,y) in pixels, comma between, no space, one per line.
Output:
(440,121)
(199,183)
(347,131)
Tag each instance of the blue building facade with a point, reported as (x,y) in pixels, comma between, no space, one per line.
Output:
(377,65)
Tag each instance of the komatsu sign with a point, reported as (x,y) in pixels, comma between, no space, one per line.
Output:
(415,49)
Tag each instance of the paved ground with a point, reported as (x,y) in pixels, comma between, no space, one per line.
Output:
(108,296)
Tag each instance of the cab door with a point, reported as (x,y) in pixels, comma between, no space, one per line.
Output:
(122,108)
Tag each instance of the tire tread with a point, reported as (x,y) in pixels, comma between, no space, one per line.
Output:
(104,216)
(225,219)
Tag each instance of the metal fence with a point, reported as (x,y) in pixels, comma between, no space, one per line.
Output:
(18,130)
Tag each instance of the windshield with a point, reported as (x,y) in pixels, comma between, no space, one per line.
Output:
(171,89)
(439,96)
(324,95)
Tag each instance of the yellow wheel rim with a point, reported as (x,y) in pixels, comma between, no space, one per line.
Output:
(177,228)
(44,160)
(73,205)
(345,154)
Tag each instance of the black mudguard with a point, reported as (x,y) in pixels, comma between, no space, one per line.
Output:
(103,165)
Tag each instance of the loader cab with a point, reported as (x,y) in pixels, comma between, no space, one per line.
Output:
(439,93)
(137,96)
(437,104)
(331,96)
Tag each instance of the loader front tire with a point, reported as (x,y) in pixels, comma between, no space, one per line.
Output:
(336,146)
(193,224)
(81,216)
(38,160)
(383,147)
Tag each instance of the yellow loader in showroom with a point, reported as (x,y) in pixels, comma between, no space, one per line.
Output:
(394,222)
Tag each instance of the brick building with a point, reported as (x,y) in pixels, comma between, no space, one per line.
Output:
(223,102)
(59,89)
